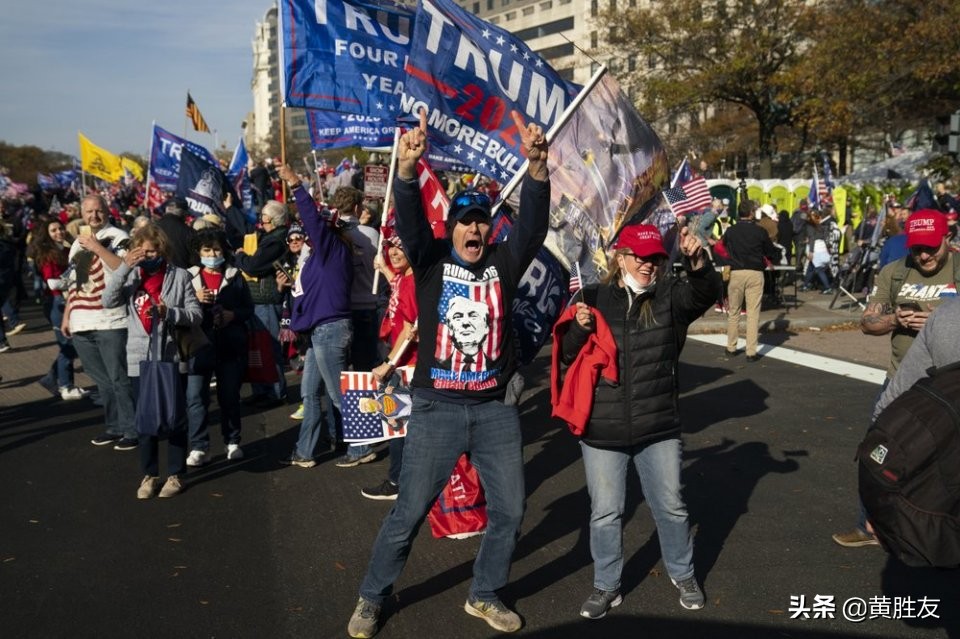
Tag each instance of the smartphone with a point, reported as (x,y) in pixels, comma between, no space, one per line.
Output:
(280,267)
(909,306)
(85,229)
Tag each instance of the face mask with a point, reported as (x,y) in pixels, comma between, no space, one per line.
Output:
(632,284)
(152,265)
(212,262)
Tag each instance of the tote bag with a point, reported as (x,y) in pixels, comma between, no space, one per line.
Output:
(261,365)
(162,405)
(461,509)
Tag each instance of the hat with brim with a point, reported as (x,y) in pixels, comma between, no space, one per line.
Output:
(466,202)
(642,239)
(926,227)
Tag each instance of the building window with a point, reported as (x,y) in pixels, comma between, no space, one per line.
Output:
(489,5)
(544,29)
(613,5)
(594,40)
(504,3)
(298,120)
(593,8)
(509,15)
(528,11)
(495,20)
(476,8)
(631,63)
(551,53)
(563,2)
(652,62)
(546,6)
(566,74)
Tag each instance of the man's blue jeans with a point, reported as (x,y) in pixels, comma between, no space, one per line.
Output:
(104,358)
(268,317)
(658,466)
(437,434)
(327,357)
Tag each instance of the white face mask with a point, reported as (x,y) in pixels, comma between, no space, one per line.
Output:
(632,283)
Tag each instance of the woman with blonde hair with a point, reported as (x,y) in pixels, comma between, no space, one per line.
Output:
(639,315)
(154,291)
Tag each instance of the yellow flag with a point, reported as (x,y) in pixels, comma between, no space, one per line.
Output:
(99,162)
(131,166)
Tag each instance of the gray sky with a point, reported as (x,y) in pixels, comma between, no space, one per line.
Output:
(109,68)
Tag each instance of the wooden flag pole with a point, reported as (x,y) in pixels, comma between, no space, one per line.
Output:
(386,201)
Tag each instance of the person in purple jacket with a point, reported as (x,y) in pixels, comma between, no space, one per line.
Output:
(321,309)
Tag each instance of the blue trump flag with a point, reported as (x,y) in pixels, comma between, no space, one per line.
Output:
(239,178)
(344,55)
(165,154)
(331,130)
(469,75)
(202,184)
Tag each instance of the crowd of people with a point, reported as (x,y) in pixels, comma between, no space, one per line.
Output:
(120,288)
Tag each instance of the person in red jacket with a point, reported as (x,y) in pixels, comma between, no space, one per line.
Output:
(636,421)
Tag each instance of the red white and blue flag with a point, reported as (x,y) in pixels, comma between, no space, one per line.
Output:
(825,193)
(369,414)
(689,193)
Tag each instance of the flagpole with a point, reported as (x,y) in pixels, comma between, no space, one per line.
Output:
(386,200)
(146,193)
(552,133)
(316,172)
(283,146)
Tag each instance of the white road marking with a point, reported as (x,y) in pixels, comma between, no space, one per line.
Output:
(819,362)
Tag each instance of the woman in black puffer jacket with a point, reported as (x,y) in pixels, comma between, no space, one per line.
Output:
(637,421)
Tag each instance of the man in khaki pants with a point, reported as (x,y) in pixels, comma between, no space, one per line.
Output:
(747,243)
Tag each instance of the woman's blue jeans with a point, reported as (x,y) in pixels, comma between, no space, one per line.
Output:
(326,358)
(658,466)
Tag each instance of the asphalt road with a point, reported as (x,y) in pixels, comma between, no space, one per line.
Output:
(255,549)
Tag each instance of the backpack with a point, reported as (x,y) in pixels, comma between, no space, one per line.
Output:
(909,472)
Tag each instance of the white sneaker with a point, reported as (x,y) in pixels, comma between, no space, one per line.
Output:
(16,329)
(70,393)
(197,458)
(234,451)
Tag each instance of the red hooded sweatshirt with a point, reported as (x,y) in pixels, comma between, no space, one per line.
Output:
(574,402)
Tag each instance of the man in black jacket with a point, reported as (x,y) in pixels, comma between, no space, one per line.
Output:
(747,243)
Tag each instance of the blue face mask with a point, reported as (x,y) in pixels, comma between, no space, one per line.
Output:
(212,262)
(152,265)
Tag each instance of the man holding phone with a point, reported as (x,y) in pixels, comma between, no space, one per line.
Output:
(904,295)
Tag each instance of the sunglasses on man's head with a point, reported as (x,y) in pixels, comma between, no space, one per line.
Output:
(467,198)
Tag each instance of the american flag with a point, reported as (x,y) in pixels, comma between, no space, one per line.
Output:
(688,192)
(369,427)
(486,292)
(358,425)
(575,282)
(826,186)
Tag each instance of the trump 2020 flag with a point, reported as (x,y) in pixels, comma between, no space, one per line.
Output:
(371,414)
(165,153)
(344,55)
(203,185)
(330,130)
(469,75)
